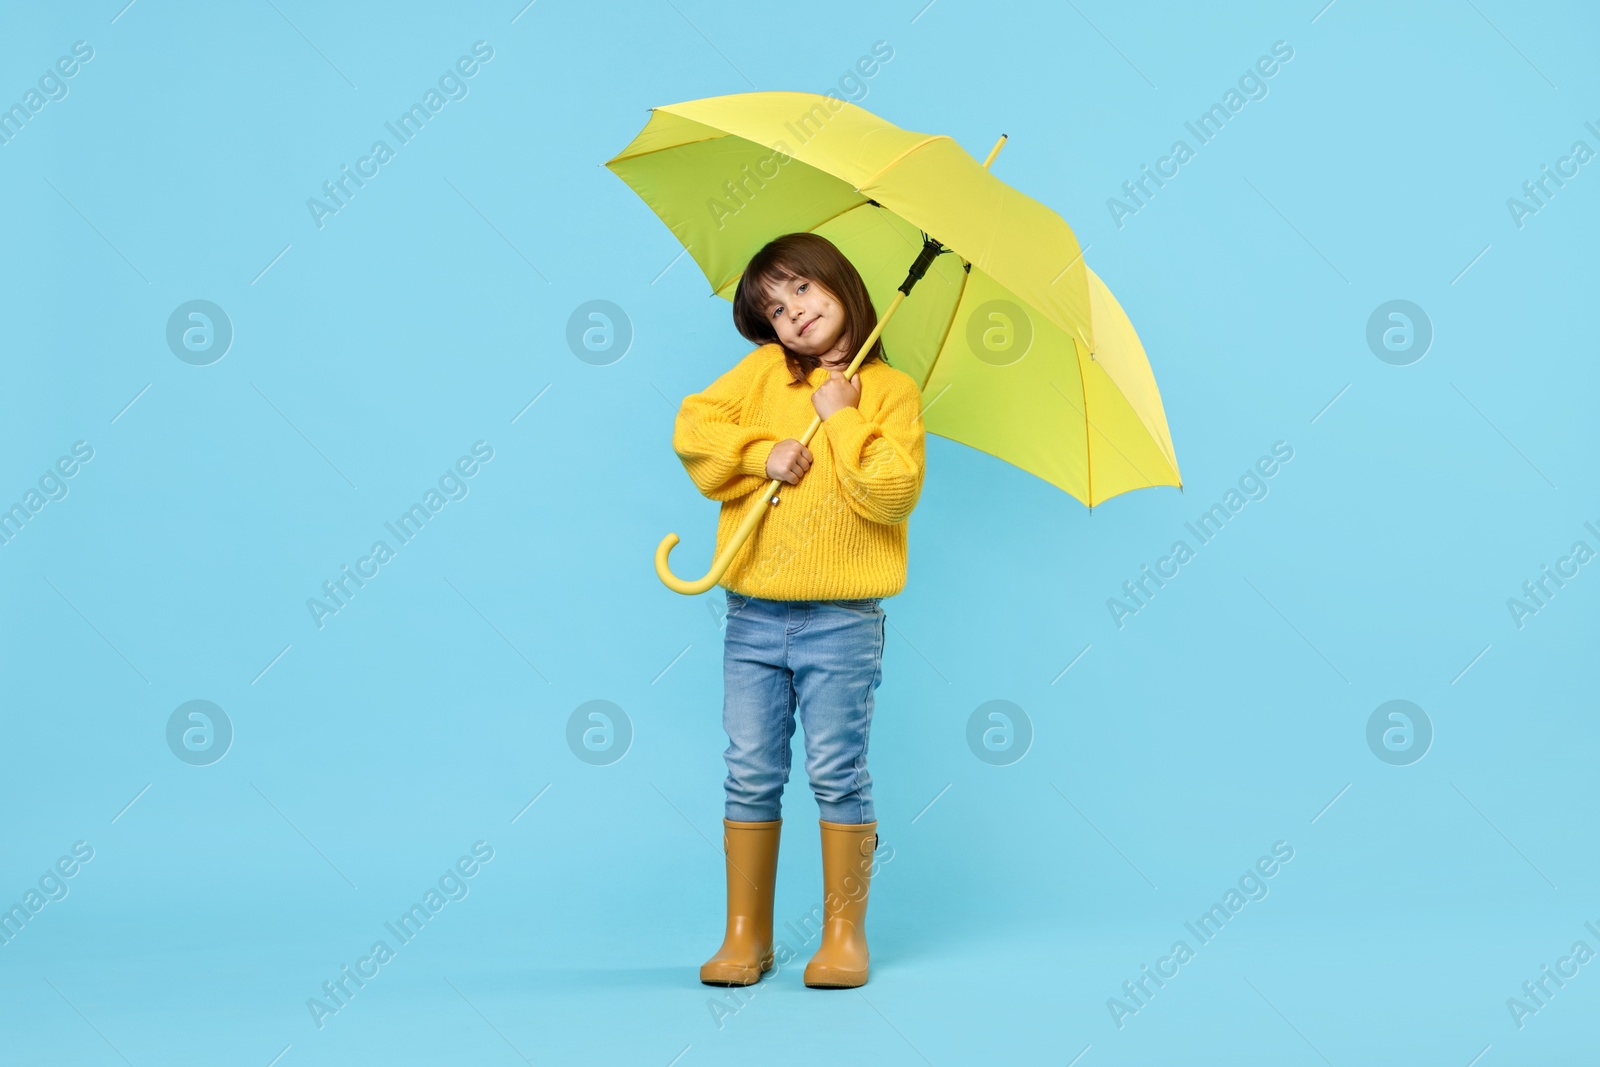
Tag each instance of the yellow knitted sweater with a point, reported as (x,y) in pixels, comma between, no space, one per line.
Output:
(841,533)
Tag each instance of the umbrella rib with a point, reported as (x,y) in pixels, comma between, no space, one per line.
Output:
(961,292)
(897,159)
(663,148)
(1083,391)
(864,202)
(1107,439)
(714,135)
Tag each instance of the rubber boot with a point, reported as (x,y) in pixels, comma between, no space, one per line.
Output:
(841,959)
(751,850)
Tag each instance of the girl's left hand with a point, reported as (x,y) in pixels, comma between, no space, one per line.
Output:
(835,393)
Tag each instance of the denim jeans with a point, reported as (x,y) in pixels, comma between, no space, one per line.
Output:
(824,656)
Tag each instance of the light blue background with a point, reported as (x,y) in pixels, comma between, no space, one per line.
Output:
(425,716)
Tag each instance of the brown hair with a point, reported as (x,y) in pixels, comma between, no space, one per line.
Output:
(815,258)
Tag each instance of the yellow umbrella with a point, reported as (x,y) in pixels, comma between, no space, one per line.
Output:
(1020,350)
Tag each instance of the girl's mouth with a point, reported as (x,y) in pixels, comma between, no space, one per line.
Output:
(808,325)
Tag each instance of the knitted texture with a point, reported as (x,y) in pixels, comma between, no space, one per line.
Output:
(841,533)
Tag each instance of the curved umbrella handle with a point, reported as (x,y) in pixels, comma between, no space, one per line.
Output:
(752,518)
(720,565)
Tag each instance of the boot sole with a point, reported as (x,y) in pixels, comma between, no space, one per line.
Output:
(733,975)
(836,980)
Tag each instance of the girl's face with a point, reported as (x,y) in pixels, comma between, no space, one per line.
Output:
(807,319)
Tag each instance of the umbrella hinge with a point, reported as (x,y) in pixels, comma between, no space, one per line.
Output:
(925,258)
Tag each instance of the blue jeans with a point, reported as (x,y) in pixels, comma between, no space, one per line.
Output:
(826,656)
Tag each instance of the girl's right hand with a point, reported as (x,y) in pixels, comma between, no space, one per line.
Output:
(788,461)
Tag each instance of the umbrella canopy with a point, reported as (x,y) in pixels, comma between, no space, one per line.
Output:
(1020,350)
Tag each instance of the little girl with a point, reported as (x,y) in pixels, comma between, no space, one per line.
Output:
(805,626)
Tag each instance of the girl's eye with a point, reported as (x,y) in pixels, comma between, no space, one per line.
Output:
(800,289)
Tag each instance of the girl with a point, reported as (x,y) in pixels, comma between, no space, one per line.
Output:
(804,622)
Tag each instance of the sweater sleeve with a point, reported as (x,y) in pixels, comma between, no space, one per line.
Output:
(879,463)
(725,460)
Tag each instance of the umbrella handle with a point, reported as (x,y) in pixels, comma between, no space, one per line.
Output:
(751,520)
(769,497)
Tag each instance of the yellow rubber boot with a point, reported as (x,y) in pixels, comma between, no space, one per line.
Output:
(841,959)
(751,850)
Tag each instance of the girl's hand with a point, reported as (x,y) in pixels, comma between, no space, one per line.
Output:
(835,393)
(788,461)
